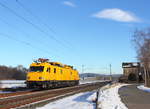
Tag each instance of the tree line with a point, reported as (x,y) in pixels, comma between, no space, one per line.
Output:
(13,73)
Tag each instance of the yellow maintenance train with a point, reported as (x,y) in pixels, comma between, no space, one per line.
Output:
(45,74)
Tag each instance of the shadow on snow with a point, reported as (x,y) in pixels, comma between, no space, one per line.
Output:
(84,98)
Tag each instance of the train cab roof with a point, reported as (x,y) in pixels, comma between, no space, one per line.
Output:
(57,64)
(68,66)
(42,62)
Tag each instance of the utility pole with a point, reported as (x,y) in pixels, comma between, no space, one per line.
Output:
(110,73)
(82,69)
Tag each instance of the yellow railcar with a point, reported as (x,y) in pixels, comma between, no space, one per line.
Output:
(45,74)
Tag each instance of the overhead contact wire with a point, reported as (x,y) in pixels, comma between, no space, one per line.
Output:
(24,42)
(37,18)
(29,22)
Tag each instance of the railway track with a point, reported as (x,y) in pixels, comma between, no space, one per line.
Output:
(31,100)
(3,95)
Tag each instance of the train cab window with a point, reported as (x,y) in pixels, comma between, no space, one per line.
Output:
(36,68)
(61,71)
(54,70)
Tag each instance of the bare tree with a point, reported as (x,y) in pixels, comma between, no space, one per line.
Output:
(141,39)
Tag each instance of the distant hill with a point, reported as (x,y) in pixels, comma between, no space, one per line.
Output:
(90,75)
(96,75)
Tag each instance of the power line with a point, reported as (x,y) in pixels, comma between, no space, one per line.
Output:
(24,42)
(21,31)
(5,22)
(29,22)
(37,18)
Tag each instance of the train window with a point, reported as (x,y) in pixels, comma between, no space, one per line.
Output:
(36,68)
(54,70)
(48,70)
(61,71)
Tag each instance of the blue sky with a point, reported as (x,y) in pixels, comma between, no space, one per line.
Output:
(94,33)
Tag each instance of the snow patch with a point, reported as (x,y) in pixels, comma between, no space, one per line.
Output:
(110,99)
(12,83)
(77,101)
(90,81)
(142,87)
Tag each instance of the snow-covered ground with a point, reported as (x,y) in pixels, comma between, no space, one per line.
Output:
(77,101)
(12,83)
(109,98)
(89,81)
(142,87)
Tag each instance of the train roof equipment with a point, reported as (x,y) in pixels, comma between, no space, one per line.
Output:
(42,60)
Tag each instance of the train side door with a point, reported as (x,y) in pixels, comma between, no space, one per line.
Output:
(48,73)
(55,74)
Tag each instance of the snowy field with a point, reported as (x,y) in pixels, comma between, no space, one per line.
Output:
(109,97)
(142,87)
(12,83)
(89,81)
(77,101)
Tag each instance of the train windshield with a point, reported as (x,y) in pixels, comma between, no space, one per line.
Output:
(36,68)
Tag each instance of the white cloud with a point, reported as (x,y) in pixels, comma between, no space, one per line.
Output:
(117,15)
(68,3)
